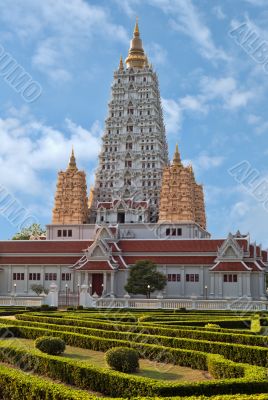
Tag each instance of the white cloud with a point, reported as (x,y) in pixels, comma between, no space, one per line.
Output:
(156,53)
(217,11)
(257,2)
(30,148)
(221,92)
(226,89)
(127,6)
(253,119)
(260,125)
(59,29)
(172,115)
(205,162)
(186,18)
(193,103)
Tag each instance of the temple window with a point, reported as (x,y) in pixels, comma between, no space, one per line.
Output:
(34,276)
(51,276)
(230,278)
(174,277)
(66,276)
(192,277)
(18,276)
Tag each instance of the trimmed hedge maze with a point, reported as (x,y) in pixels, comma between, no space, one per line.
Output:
(221,343)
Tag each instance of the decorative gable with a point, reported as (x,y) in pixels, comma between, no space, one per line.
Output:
(230,250)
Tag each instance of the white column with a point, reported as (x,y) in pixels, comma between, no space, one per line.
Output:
(262,293)
(182,282)
(104,282)
(201,282)
(240,288)
(26,278)
(112,283)
(248,291)
(212,283)
(220,283)
(42,276)
(9,279)
(79,281)
(58,282)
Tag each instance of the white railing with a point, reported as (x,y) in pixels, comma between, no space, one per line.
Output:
(173,304)
(21,301)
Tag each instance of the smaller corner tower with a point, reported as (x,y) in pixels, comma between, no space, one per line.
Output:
(71,203)
(182,199)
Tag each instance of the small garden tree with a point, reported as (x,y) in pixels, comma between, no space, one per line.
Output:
(38,289)
(144,278)
(123,359)
(26,233)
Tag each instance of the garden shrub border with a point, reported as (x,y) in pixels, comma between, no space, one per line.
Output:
(114,383)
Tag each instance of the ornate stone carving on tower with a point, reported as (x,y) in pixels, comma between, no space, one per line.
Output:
(71,203)
(134,147)
(182,199)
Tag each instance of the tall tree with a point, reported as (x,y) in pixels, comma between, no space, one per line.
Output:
(26,233)
(145,279)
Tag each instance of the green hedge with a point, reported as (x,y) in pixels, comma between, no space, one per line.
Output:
(251,340)
(18,385)
(235,352)
(114,383)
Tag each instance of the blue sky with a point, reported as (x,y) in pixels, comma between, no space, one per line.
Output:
(214,95)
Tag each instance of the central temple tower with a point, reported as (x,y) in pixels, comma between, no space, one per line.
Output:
(134,147)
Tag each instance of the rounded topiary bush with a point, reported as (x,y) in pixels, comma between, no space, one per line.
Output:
(123,359)
(50,345)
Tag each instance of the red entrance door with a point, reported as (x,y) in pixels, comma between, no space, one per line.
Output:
(97,281)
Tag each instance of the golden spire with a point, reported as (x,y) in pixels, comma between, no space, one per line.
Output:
(136,29)
(136,57)
(121,64)
(177,158)
(72,162)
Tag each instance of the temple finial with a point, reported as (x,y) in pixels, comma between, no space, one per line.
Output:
(136,29)
(177,158)
(72,161)
(121,64)
(136,57)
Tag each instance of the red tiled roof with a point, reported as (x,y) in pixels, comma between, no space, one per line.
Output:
(262,265)
(43,246)
(258,251)
(255,266)
(230,266)
(114,247)
(251,251)
(180,245)
(242,243)
(120,262)
(177,260)
(264,255)
(96,266)
(38,260)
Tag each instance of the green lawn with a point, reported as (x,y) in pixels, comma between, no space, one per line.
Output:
(149,369)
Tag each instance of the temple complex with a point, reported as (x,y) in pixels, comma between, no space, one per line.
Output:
(141,207)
